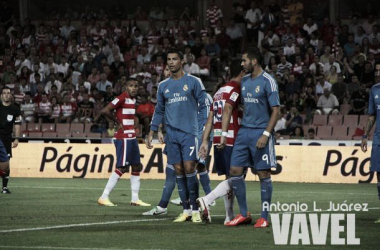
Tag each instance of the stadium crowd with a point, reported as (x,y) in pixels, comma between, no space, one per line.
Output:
(60,73)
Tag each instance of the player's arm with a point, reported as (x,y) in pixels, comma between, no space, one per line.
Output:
(371,121)
(206,135)
(107,112)
(276,114)
(226,118)
(17,130)
(158,116)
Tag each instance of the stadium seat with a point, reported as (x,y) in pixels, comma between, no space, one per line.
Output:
(344,108)
(63,134)
(350,120)
(284,137)
(94,135)
(307,127)
(33,127)
(319,120)
(63,128)
(24,134)
(324,132)
(35,134)
(363,119)
(23,127)
(77,128)
(78,134)
(49,134)
(340,132)
(87,127)
(335,120)
(48,127)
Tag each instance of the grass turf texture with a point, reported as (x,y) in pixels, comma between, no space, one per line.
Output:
(56,202)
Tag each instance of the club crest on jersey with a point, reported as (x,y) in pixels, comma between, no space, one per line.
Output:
(257,90)
(9,118)
(185,87)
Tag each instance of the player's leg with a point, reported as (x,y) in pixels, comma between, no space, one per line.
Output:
(265,159)
(8,152)
(133,159)
(120,145)
(167,191)
(222,160)
(375,167)
(204,178)
(181,181)
(189,152)
(240,158)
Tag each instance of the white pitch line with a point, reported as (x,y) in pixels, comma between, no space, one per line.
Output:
(79,225)
(155,189)
(69,248)
(132,221)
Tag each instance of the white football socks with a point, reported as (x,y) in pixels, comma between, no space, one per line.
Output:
(135,186)
(112,181)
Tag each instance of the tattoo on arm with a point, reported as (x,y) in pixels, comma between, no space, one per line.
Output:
(370,123)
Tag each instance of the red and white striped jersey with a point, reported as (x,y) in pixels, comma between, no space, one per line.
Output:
(228,93)
(68,109)
(125,112)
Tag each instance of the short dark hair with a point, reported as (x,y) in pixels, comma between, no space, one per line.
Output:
(254,53)
(5,88)
(235,68)
(176,51)
(131,80)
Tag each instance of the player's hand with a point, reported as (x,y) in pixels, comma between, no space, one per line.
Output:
(262,142)
(148,140)
(161,137)
(364,145)
(222,144)
(118,127)
(15,143)
(203,150)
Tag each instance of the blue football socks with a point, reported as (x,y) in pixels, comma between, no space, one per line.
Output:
(182,190)
(193,188)
(238,185)
(168,186)
(204,178)
(266,196)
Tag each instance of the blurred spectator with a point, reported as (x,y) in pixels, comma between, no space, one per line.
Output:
(339,89)
(27,109)
(204,63)
(53,81)
(43,109)
(311,134)
(190,67)
(102,84)
(295,11)
(68,109)
(293,120)
(327,104)
(252,18)
(145,112)
(359,101)
(213,13)
(55,110)
(85,110)
(297,133)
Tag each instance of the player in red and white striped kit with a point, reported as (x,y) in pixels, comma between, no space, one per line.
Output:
(127,148)
(225,103)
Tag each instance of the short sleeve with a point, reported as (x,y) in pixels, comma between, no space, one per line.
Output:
(118,101)
(233,97)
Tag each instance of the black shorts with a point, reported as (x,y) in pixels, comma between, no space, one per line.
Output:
(7,141)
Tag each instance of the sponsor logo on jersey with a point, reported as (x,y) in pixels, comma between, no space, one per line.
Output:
(115,101)
(234,96)
(9,118)
(185,87)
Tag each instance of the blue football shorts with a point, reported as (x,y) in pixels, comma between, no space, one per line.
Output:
(180,146)
(245,153)
(222,160)
(127,152)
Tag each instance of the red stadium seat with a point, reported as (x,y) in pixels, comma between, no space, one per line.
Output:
(351,120)
(33,127)
(324,132)
(48,127)
(87,127)
(340,132)
(78,134)
(363,119)
(63,128)
(320,120)
(94,135)
(335,120)
(344,109)
(35,134)
(77,128)
(63,134)
(50,134)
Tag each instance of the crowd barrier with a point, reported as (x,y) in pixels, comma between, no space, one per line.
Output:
(314,164)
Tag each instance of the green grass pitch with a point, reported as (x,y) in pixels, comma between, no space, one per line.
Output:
(53,208)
